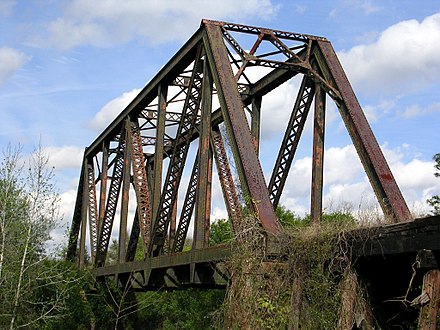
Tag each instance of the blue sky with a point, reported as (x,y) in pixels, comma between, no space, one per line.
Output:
(67,68)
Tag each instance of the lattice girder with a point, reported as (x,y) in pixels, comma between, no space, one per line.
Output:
(168,114)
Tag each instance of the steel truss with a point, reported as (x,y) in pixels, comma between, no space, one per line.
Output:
(172,120)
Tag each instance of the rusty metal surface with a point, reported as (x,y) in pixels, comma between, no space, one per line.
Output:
(177,161)
(213,64)
(290,140)
(140,183)
(318,156)
(381,178)
(93,209)
(110,211)
(72,246)
(204,182)
(211,254)
(225,177)
(246,158)
(187,209)
(123,220)
(168,73)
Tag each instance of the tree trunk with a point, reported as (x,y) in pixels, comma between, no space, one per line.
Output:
(20,278)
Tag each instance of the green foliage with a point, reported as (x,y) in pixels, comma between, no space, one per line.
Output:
(434,201)
(288,218)
(436,159)
(28,212)
(181,309)
(271,314)
(62,294)
(221,232)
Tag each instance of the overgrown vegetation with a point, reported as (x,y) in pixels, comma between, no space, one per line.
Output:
(300,289)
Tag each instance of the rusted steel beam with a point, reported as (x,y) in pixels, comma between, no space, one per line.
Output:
(168,73)
(225,177)
(318,156)
(84,207)
(72,246)
(93,209)
(246,158)
(257,30)
(112,201)
(203,197)
(177,159)
(169,238)
(103,184)
(291,139)
(126,176)
(382,180)
(187,209)
(256,121)
(263,86)
(159,148)
(140,182)
(212,254)
(134,238)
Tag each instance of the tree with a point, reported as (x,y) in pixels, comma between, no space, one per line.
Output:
(287,218)
(434,201)
(220,232)
(33,289)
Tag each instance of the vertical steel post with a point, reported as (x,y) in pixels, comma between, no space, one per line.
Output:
(173,224)
(84,207)
(256,121)
(159,148)
(122,246)
(103,185)
(93,210)
(72,248)
(318,156)
(203,197)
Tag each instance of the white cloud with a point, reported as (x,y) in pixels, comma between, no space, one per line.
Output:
(59,236)
(345,180)
(403,58)
(111,22)
(341,165)
(277,107)
(374,112)
(112,109)
(416,110)
(67,205)
(64,157)
(10,61)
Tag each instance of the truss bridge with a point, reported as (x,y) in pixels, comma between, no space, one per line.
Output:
(190,141)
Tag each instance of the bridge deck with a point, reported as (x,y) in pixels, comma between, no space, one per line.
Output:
(205,267)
